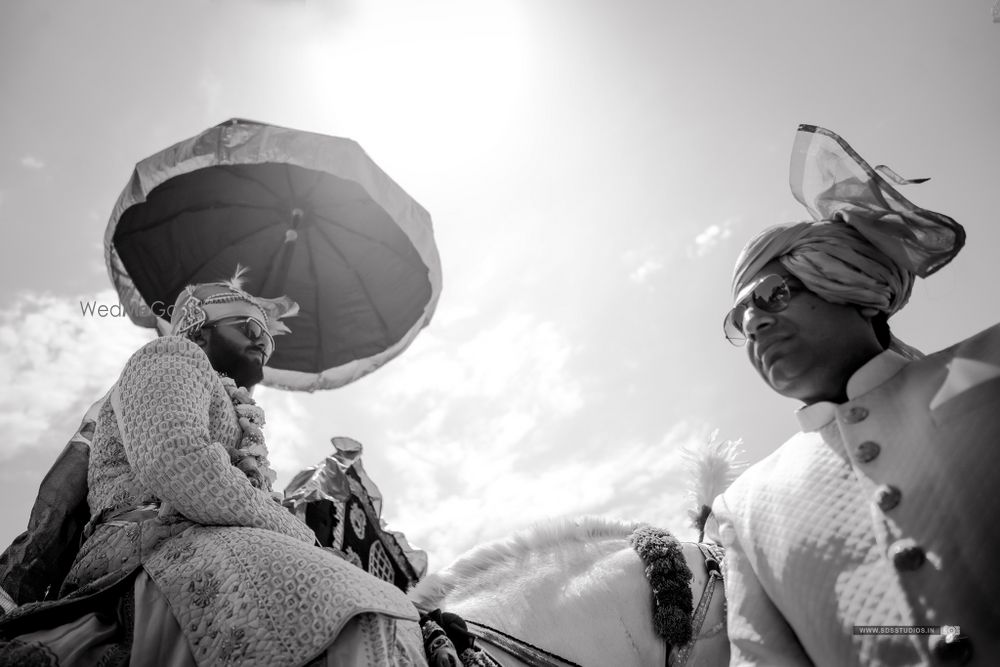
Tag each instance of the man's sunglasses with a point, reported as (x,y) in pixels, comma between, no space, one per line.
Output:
(251,328)
(770,294)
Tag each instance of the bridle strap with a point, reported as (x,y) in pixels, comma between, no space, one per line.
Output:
(522,650)
(712,556)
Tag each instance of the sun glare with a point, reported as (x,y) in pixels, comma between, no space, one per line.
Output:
(452,70)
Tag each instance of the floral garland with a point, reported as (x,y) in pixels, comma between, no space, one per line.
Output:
(250,455)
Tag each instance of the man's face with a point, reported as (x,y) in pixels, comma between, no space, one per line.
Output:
(810,349)
(231,352)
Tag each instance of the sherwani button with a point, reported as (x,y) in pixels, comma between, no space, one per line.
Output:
(907,556)
(855,415)
(952,650)
(887,497)
(868,451)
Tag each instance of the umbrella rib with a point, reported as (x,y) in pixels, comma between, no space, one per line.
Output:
(355,232)
(202,265)
(307,193)
(239,175)
(241,239)
(124,234)
(364,288)
(247,176)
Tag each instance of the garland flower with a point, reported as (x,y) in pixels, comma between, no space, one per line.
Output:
(250,455)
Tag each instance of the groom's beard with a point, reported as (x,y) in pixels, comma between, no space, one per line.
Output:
(240,364)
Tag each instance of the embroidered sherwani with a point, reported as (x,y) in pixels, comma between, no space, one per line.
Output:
(881,511)
(239,572)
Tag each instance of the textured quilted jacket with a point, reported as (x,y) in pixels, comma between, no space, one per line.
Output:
(883,511)
(239,571)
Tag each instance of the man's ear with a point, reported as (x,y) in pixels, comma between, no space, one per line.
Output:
(868,313)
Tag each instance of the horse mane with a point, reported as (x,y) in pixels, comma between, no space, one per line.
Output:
(540,536)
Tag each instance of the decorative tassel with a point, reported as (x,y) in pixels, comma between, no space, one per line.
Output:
(670,578)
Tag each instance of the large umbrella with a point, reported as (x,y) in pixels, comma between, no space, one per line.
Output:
(310,215)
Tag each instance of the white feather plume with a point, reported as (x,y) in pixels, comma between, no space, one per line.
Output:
(711,467)
(238,279)
(274,309)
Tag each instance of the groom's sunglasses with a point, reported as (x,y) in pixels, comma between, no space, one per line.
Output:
(771,294)
(251,328)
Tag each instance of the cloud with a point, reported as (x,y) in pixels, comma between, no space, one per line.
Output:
(32,162)
(520,354)
(705,241)
(497,443)
(56,362)
(642,272)
(643,263)
(454,505)
(285,433)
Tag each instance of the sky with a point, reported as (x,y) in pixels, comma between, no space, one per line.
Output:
(592,169)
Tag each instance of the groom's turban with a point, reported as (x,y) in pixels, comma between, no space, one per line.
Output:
(866,243)
(198,305)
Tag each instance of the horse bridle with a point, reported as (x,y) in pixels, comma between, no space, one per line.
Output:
(713,557)
(522,650)
(533,655)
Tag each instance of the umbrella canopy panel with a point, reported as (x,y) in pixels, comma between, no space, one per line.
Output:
(358,280)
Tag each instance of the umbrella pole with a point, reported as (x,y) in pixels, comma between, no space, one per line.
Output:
(274,285)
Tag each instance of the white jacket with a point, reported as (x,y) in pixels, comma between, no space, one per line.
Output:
(884,510)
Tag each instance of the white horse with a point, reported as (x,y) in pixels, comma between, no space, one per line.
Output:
(576,592)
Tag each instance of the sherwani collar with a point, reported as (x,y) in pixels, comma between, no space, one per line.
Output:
(875,372)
